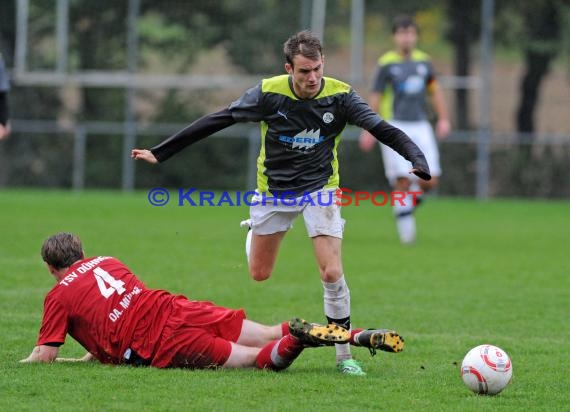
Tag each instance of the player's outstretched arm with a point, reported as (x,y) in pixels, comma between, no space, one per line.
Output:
(196,131)
(143,154)
(366,141)
(87,358)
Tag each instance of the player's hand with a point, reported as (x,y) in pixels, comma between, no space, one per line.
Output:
(420,168)
(4,131)
(366,141)
(143,154)
(442,128)
(422,174)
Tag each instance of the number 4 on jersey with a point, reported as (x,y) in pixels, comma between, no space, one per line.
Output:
(104,278)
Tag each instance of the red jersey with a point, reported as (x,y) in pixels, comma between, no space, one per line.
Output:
(105,308)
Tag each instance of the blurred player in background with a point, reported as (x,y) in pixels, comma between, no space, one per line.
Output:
(4,87)
(405,77)
(111,313)
(302,116)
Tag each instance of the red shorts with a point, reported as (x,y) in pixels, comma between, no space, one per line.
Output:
(198,335)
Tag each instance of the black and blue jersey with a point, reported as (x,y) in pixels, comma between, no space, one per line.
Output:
(299,137)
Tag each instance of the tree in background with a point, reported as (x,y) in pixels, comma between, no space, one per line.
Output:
(176,33)
(541,44)
(173,34)
(534,27)
(464,18)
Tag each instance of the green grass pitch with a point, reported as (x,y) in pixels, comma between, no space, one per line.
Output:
(482,272)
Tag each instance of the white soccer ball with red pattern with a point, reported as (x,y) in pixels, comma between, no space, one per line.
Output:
(486,369)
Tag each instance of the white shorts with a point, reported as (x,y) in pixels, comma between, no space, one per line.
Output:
(320,210)
(422,134)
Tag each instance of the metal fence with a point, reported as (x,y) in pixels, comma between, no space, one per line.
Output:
(476,163)
(313,13)
(519,165)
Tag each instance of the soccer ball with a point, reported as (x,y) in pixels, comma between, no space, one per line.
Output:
(486,369)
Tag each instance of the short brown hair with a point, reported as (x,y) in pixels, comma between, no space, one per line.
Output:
(62,250)
(403,22)
(303,43)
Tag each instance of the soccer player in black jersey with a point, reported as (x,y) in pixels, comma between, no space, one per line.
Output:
(302,115)
(404,78)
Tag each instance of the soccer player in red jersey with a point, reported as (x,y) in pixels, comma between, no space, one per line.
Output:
(110,312)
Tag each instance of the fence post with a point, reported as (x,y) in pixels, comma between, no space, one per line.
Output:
(21,36)
(486,74)
(318,18)
(130,129)
(79,149)
(357,42)
(62,35)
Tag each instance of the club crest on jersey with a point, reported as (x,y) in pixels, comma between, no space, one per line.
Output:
(304,140)
(328,117)
(395,71)
(413,85)
(422,70)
